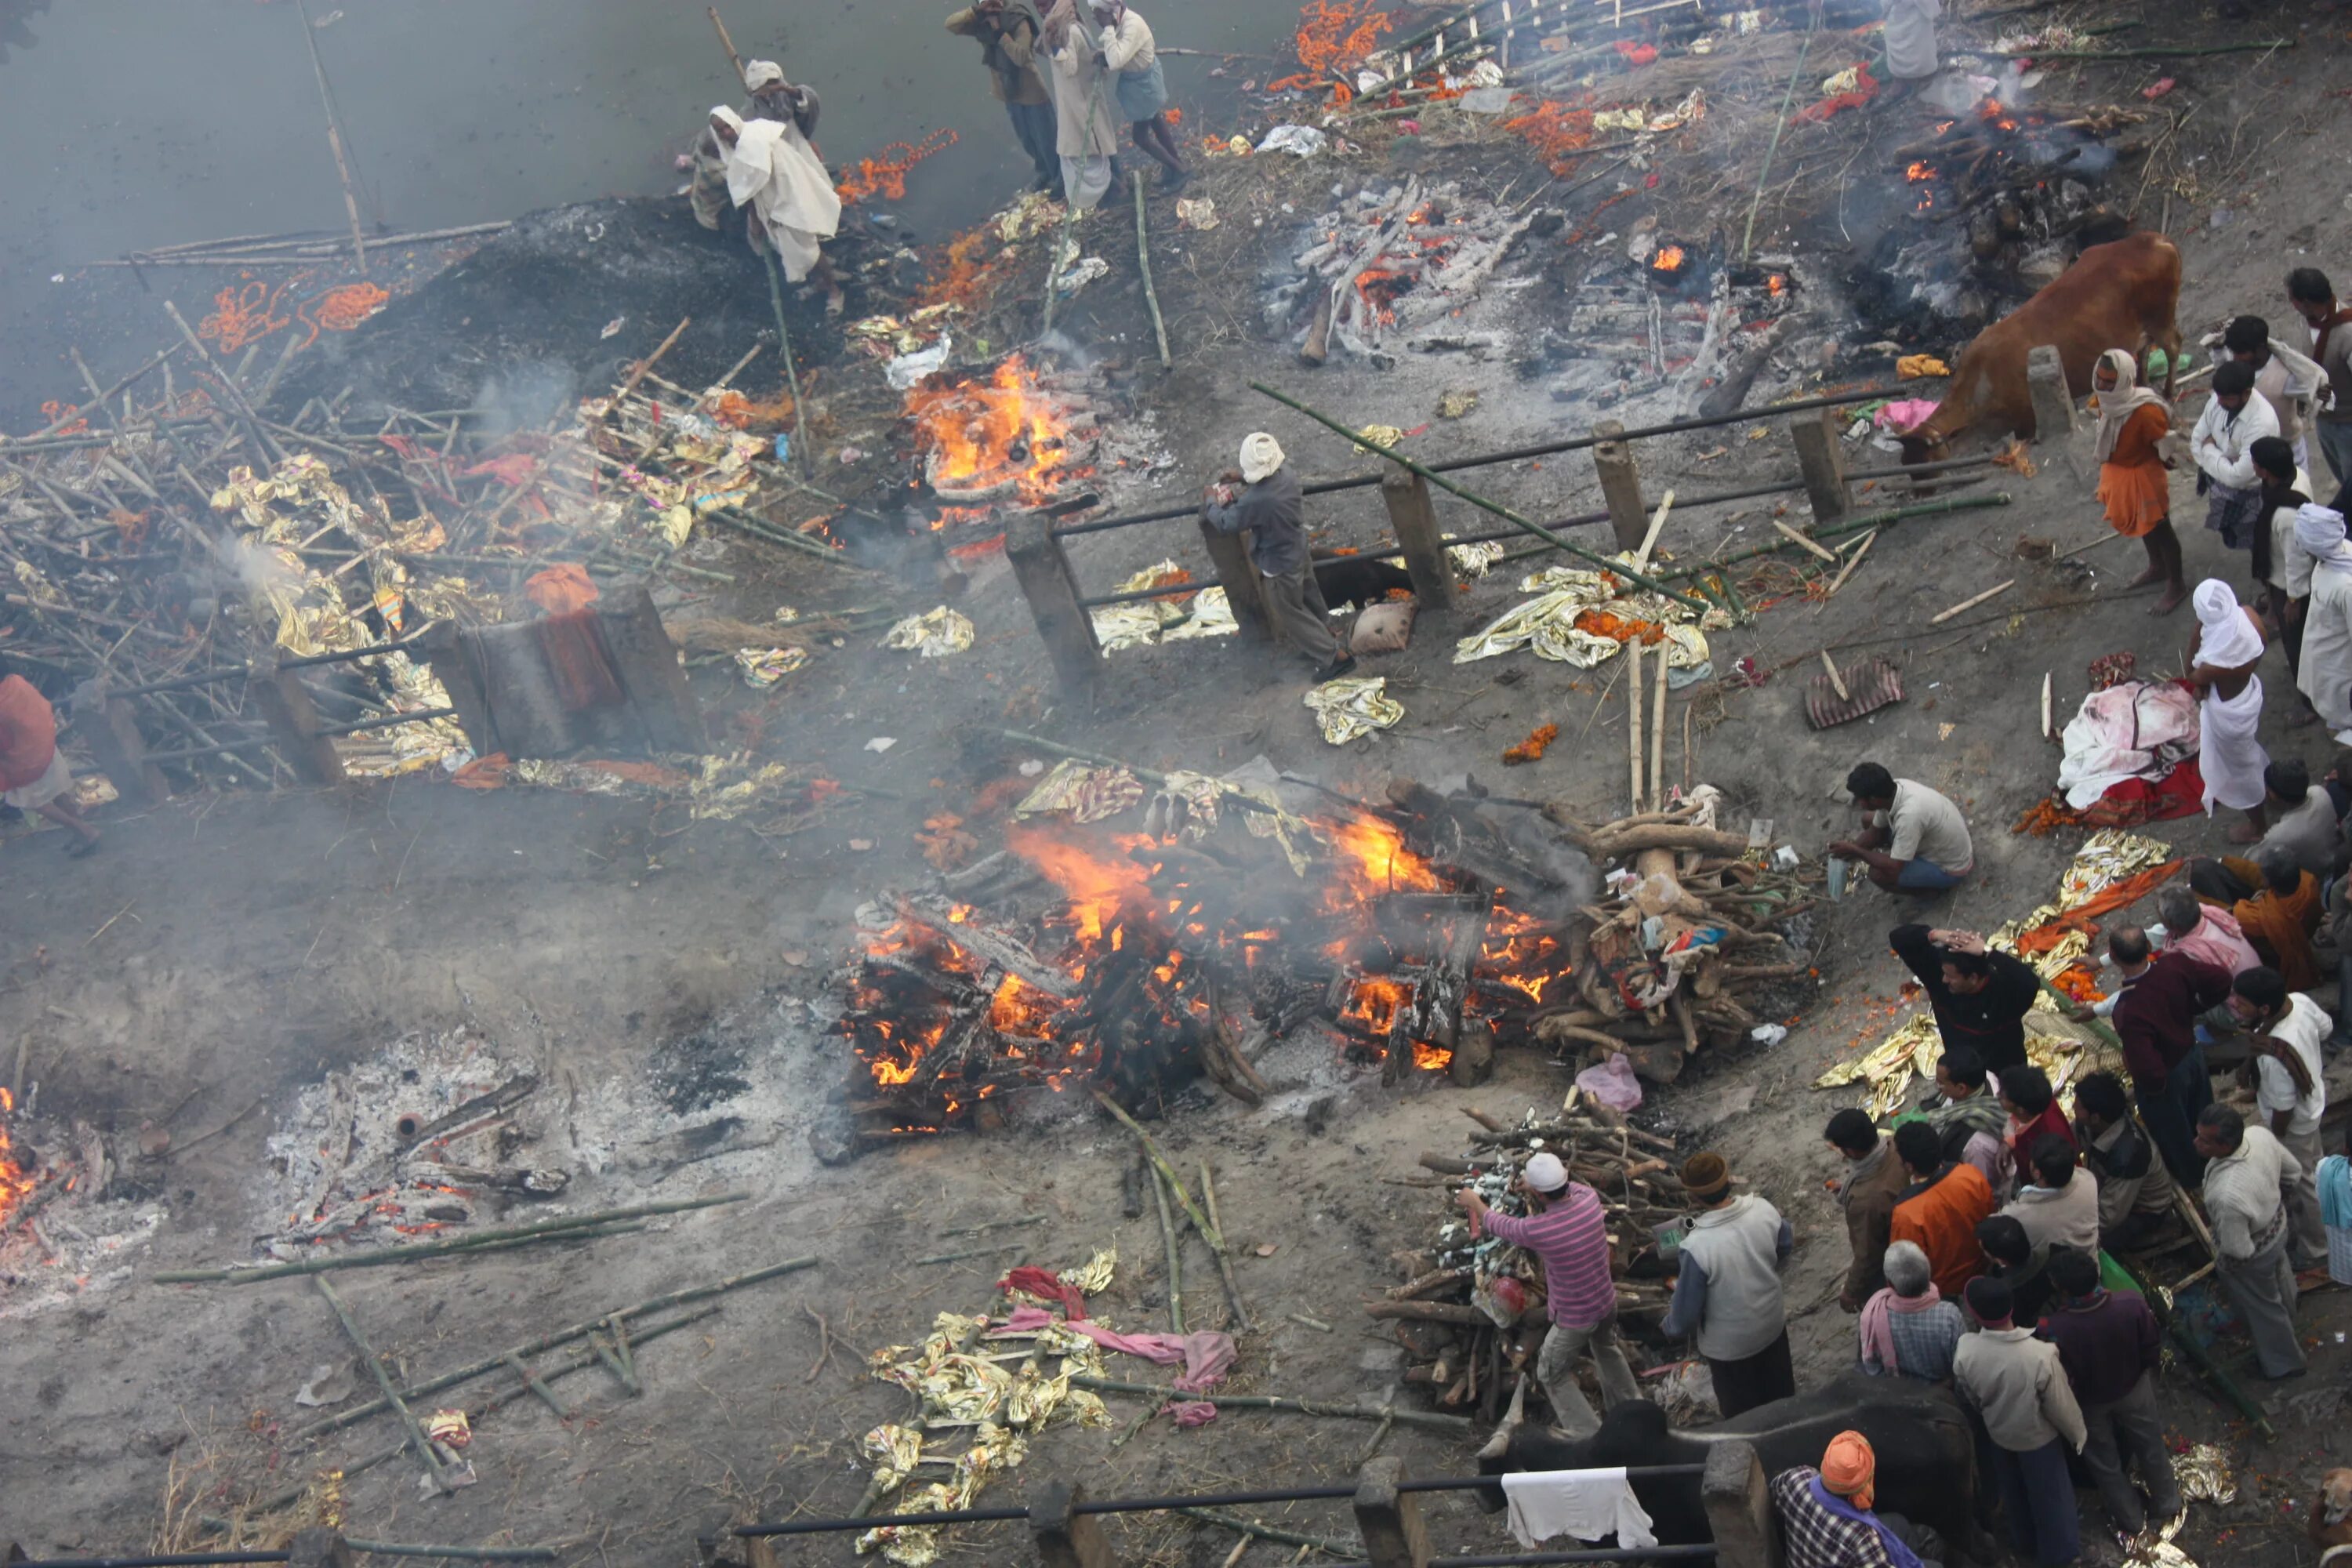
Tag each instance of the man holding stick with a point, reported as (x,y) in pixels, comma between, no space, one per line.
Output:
(1272,510)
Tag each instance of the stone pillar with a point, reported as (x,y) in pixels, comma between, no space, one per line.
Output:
(1389,1520)
(318,1549)
(450,655)
(1066,1538)
(285,704)
(1821,457)
(1621,485)
(647,663)
(1414,518)
(2053,403)
(1239,576)
(1044,573)
(111,728)
(1739,1507)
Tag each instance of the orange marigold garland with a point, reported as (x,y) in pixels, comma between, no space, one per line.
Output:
(886,176)
(1533,748)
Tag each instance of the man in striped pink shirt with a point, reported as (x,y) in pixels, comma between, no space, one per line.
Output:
(1568,1231)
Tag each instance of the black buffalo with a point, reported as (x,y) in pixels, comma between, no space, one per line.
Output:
(1359,580)
(1927,1454)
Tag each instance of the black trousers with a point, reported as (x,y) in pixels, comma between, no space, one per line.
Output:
(1742,1385)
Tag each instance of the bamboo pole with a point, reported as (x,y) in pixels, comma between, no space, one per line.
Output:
(550,1227)
(792,370)
(1779,123)
(2147,54)
(1175,1257)
(533,1382)
(727,43)
(1634,717)
(1435,1423)
(417,1437)
(1143,259)
(1249,1530)
(1606,564)
(549,1341)
(262,438)
(1658,735)
(645,366)
(334,137)
(1224,1253)
(1201,1222)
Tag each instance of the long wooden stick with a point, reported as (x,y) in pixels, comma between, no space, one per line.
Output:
(1435,1423)
(1943,615)
(538,1385)
(645,366)
(1175,1257)
(335,138)
(1201,1221)
(1634,716)
(727,43)
(1143,259)
(792,370)
(435,1248)
(1854,560)
(1224,1253)
(267,443)
(417,1437)
(1658,736)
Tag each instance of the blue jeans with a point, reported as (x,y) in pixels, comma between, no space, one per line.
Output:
(1927,875)
(2170,1113)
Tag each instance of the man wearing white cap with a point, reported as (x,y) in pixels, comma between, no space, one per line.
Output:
(1569,1233)
(774,170)
(2327,674)
(2222,658)
(1272,512)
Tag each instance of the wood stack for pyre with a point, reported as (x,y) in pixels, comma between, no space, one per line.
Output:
(2017,176)
(1424,934)
(1470,1311)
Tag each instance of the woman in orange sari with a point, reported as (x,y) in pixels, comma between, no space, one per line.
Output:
(2135,482)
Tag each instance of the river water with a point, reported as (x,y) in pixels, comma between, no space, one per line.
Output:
(135,124)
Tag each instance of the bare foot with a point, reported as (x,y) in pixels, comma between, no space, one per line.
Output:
(2245,832)
(2174,598)
(2153,574)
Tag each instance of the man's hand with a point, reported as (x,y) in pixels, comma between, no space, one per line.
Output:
(1848,1302)
(1957,941)
(1467,1200)
(1845,848)
(2081,1012)
(1230,477)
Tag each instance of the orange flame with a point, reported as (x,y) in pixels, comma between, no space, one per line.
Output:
(15,1180)
(1920,171)
(1005,431)
(1670,258)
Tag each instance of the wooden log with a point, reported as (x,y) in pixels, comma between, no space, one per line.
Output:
(1175,1257)
(417,1437)
(1005,951)
(1667,836)
(1453,1424)
(1224,1255)
(1429,1312)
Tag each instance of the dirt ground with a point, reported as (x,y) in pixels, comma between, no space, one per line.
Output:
(228,951)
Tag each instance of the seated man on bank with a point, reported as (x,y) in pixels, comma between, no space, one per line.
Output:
(2304,822)
(1826,1520)
(1912,837)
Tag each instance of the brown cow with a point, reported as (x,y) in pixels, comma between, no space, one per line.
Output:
(2118,296)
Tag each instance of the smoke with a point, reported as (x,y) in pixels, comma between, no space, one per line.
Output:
(523,398)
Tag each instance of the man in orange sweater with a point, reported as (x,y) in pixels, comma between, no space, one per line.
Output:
(1941,1208)
(33,772)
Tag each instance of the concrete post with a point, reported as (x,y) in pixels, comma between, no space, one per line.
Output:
(285,704)
(1044,574)
(1239,576)
(319,1548)
(111,728)
(1821,457)
(1621,485)
(2053,403)
(1739,1507)
(1389,1520)
(1414,518)
(647,663)
(450,655)
(1066,1538)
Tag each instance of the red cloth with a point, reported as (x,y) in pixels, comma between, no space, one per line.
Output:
(1636,54)
(2052,1121)
(1815,114)
(2128,803)
(1046,1286)
(29,733)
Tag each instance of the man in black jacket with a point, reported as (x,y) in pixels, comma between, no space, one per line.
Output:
(1272,512)
(1980,997)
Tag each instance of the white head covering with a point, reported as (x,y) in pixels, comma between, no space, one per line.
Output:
(1261,456)
(2127,399)
(2320,531)
(2230,639)
(758,74)
(1545,1174)
(726,117)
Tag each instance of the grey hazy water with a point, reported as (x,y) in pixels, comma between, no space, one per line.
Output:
(130,123)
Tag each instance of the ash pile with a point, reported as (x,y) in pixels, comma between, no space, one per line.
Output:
(76,1203)
(1139,931)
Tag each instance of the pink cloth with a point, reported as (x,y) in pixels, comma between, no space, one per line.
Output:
(1207,1355)
(1877,1322)
(1191,1412)
(1905,413)
(2219,941)
(1046,1286)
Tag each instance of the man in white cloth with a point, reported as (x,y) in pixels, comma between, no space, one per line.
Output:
(2223,655)
(2327,674)
(2222,447)
(1084,134)
(772,170)
(1911,58)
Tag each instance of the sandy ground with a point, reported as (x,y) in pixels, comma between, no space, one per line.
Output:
(257,944)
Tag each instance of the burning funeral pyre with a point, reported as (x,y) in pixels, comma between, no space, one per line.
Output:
(70,1205)
(1418,934)
(1384,266)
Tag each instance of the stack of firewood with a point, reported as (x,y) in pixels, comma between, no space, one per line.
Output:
(1471,1311)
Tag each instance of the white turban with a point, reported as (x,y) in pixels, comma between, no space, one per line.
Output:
(758,74)
(2230,640)
(1262,456)
(2320,531)
(726,117)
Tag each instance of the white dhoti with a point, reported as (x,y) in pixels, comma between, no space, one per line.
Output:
(1911,38)
(2229,753)
(2325,676)
(54,779)
(774,170)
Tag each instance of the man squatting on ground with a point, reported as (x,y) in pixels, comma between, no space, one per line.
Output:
(1912,837)
(1273,512)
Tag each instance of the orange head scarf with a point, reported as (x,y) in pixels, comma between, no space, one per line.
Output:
(1850,1468)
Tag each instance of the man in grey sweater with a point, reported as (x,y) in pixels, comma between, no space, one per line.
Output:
(1272,512)
(1727,1291)
(2017,1386)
